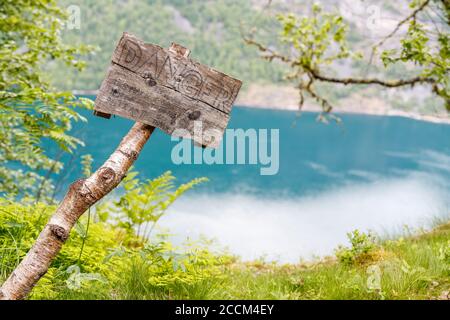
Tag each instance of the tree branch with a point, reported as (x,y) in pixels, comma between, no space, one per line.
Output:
(271,53)
(402,22)
(317,76)
(384,83)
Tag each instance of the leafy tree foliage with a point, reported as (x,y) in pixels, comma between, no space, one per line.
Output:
(31,111)
(314,42)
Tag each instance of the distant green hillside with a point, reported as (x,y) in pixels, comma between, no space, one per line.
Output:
(211,29)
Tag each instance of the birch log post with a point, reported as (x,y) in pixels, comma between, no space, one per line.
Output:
(156,87)
(82,194)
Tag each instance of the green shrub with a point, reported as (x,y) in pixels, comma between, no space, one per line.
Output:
(109,258)
(143,203)
(361,251)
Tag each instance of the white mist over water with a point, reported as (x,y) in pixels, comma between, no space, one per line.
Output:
(289,229)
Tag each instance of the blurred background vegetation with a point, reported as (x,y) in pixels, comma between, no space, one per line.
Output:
(214,31)
(211,29)
(107,255)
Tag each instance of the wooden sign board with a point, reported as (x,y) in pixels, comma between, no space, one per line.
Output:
(168,90)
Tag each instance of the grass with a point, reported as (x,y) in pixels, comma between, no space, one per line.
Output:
(407,268)
(413,267)
(114,265)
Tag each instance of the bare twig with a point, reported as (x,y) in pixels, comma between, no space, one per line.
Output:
(412,15)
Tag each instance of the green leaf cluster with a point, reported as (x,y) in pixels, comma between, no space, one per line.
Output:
(113,255)
(318,39)
(143,203)
(417,48)
(362,246)
(32,112)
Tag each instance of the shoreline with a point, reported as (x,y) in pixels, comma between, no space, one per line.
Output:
(390,113)
(272,97)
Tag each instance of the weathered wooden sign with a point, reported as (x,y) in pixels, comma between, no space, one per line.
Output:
(166,89)
(157,88)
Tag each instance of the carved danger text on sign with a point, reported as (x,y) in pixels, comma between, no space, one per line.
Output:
(166,89)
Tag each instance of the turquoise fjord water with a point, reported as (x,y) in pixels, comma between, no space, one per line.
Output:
(371,172)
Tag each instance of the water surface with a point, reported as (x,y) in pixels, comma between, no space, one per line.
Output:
(371,172)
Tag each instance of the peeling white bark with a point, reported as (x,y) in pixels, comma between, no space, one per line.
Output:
(82,194)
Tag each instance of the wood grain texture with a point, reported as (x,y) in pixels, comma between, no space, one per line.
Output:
(166,89)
